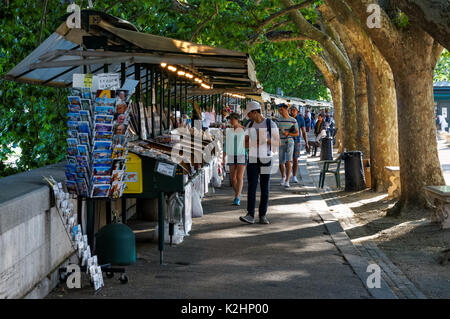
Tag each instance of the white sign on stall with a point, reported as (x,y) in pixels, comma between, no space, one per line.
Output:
(444,112)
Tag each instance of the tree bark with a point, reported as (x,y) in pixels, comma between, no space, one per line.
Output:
(349,104)
(333,82)
(362,106)
(431,15)
(412,55)
(382,103)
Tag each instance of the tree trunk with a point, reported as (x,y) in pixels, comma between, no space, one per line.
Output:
(419,159)
(383,123)
(412,54)
(362,107)
(381,90)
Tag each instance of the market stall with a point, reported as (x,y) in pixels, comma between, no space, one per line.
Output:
(162,80)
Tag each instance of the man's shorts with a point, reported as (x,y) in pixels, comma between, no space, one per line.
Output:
(286,152)
(297,149)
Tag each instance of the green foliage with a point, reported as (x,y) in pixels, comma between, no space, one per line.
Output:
(442,70)
(33,118)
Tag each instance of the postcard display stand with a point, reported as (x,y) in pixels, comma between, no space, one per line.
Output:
(98,115)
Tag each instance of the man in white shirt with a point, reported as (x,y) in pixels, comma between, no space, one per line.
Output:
(261,135)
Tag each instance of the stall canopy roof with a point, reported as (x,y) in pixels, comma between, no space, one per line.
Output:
(267,97)
(62,54)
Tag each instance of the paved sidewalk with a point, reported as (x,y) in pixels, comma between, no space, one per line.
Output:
(293,257)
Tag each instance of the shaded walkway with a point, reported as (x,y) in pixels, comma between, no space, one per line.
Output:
(293,257)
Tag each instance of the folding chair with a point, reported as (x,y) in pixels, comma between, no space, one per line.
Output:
(326,169)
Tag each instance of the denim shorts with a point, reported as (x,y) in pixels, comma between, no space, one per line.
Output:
(237,160)
(286,151)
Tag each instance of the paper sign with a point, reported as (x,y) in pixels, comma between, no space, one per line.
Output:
(106,81)
(166,169)
(444,112)
(80,80)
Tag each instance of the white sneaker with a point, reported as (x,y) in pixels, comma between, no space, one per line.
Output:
(287,185)
(294,179)
(282,183)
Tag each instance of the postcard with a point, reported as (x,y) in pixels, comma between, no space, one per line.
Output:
(102,162)
(72,142)
(119,140)
(120,119)
(84,127)
(121,108)
(99,127)
(86,105)
(85,116)
(102,109)
(82,161)
(102,145)
(82,172)
(105,101)
(99,179)
(102,170)
(121,96)
(102,154)
(73,116)
(72,133)
(72,151)
(71,168)
(82,187)
(120,129)
(74,108)
(71,160)
(83,150)
(72,125)
(106,93)
(119,164)
(117,189)
(100,190)
(71,187)
(74,100)
(117,176)
(118,152)
(71,176)
(84,138)
(104,119)
(75,91)
(103,136)
(86,93)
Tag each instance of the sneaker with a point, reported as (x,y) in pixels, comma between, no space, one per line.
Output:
(247,219)
(237,201)
(287,185)
(294,180)
(282,181)
(263,220)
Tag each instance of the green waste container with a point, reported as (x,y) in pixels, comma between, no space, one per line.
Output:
(115,244)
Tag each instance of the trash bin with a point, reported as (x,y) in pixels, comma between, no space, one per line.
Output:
(115,244)
(354,172)
(326,149)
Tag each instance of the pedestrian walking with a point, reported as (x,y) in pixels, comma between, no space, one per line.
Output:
(297,145)
(319,132)
(288,132)
(235,155)
(261,135)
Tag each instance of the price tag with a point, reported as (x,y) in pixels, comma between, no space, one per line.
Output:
(166,169)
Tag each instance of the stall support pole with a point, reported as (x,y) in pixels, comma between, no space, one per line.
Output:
(161,227)
(108,211)
(90,222)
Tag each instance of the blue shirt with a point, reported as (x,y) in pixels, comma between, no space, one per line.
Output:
(301,123)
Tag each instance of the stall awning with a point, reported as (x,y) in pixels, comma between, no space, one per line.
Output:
(54,62)
(267,97)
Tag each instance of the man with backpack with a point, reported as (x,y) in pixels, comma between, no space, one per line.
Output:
(261,139)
